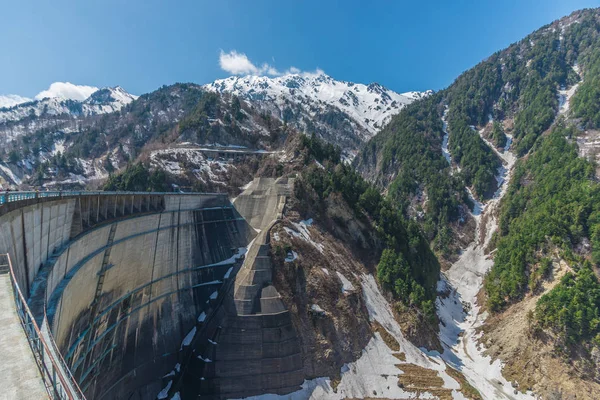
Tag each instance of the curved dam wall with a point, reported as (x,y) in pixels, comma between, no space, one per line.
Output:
(119,281)
(31,234)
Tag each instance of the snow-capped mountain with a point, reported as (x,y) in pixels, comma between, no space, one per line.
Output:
(63,119)
(10,100)
(72,149)
(310,101)
(100,101)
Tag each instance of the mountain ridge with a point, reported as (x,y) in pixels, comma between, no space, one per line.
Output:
(100,101)
(301,99)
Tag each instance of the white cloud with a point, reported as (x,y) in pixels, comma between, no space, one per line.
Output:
(67,90)
(270,70)
(11,100)
(239,64)
(316,72)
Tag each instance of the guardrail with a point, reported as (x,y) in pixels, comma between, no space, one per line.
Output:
(57,377)
(9,197)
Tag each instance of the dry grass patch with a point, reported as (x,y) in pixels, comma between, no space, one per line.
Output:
(335,382)
(422,381)
(465,387)
(400,356)
(418,377)
(387,337)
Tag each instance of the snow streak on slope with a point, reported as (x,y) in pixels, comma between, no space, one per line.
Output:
(370,106)
(564,94)
(446,142)
(564,98)
(459,312)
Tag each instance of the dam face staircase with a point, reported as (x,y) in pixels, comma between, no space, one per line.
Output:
(251,347)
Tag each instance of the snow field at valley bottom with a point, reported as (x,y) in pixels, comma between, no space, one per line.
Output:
(457,306)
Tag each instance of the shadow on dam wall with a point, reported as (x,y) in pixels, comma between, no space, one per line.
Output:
(249,346)
(120,280)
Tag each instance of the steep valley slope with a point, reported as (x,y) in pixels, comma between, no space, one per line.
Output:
(508,130)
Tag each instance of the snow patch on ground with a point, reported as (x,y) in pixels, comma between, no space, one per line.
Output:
(291,256)
(316,308)
(506,156)
(11,175)
(247,185)
(58,147)
(173,371)
(303,233)
(445,150)
(564,98)
(477,205)
(202,317)
(241,251)
(509,140)
(347,286)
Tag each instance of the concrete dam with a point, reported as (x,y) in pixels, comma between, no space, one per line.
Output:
(144,295)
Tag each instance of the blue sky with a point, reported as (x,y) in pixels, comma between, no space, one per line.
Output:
(142,45)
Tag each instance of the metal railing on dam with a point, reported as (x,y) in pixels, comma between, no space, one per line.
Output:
(57,377)
(9,196)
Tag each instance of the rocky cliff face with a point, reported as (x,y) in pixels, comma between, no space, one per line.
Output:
(317,275)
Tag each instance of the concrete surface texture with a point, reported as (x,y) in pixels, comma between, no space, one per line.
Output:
(19,374)
(122,278)
(139,286)
(263,200)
